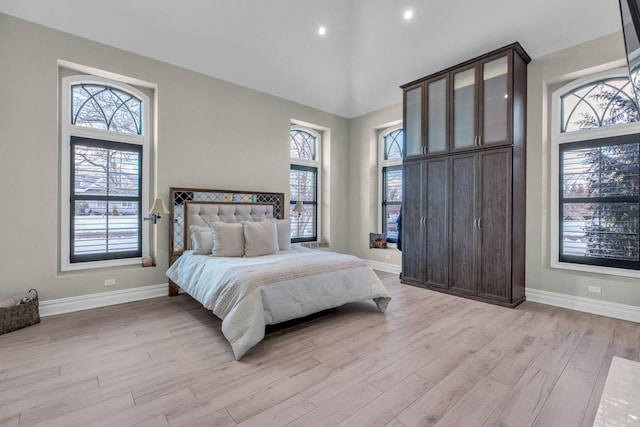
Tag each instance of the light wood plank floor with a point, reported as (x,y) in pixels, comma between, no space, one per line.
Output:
(432,359)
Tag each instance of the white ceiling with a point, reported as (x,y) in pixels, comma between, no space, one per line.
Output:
(368,51)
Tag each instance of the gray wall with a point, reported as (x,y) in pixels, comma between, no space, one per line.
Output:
(209,134)
(546,74)
(363,182)
(213,134)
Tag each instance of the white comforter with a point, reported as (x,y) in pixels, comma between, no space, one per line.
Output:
(249,293)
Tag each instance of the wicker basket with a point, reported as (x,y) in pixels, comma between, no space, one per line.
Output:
(19,316)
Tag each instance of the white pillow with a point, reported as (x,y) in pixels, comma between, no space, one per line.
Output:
(260,238)
(201,239)
(228,239)
(283,226)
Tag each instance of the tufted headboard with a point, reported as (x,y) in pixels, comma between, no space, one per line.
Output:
(203,214)
(207,199)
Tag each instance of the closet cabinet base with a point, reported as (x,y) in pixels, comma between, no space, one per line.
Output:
(468,296)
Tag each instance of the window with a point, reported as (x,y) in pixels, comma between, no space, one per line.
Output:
(596,143)
(391,148)
(104,173)
(105,186)
(304,147)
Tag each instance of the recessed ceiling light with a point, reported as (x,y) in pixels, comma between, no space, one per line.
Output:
(408,14)
(322,31)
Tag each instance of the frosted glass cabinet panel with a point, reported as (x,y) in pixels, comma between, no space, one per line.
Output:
(437,128)
(472,106)
(495,108)
(413,122)
(464,111)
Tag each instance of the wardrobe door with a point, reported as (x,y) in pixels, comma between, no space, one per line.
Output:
(436,223)
(464,129)
(494,196)
(463,249)
(413,230)
(413,125)
(495,101)
(437,117)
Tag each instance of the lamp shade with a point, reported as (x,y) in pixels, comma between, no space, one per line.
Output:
(158,208)
(298,207)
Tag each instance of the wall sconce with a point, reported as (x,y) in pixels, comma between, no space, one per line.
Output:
(156,211)
(298,208)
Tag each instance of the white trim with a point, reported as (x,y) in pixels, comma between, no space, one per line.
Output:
(102,299)
(317,163)
(597,269)
(383,163)
(103,264)
(68,130)
(558,138)
(383,266)
(588,305)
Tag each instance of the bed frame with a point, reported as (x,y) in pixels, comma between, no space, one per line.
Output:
(201,207)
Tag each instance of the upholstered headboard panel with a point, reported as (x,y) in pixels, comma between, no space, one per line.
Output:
(180,196)
(204,214)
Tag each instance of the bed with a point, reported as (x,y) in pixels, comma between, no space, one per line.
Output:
(268,280)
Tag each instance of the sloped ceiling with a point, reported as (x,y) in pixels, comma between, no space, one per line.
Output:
(356,67)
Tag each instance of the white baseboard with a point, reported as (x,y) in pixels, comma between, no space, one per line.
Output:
(102,299)
(588,305)
(384,266)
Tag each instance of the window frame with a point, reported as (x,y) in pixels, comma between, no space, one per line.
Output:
(558,138)
(68,130)
(382,165)
(308,165)
(106,198)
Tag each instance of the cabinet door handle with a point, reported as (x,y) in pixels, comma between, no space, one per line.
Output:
(479,222)
(475,141)
(475,222)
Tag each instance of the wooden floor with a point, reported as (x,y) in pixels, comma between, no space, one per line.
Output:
(432,359)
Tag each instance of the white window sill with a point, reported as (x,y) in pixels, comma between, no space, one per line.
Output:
(610,271)
(100,264)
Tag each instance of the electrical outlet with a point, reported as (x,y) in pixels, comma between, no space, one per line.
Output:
(388,257)
(594,289)
(110,282)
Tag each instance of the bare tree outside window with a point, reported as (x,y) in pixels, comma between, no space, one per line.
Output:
(392,143)
(303,184)
(600,185)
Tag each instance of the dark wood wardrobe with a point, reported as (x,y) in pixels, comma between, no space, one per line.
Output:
(464,178)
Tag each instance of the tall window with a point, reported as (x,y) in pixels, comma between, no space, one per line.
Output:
(391,144)
(597,151)
(304,150)
(104,166)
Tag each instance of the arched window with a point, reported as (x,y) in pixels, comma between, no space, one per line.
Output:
(595,159)
(104,173)
(304,147)
(104,107)
(391,148)
(602,103)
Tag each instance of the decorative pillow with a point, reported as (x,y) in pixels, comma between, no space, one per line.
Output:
(228,239)
(260,238)
(283,226)
(201,239)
